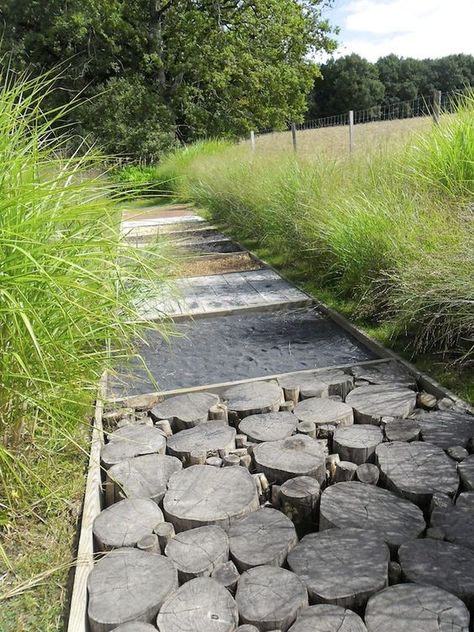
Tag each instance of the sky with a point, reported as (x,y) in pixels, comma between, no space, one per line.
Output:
(408,28)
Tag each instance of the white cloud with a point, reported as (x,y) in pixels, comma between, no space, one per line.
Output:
(410,28)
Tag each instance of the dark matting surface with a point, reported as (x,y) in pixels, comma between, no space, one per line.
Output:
(240,346)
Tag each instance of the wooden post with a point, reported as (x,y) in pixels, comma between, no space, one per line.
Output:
(436,106)
(293,136)
(351,131)
(252,140)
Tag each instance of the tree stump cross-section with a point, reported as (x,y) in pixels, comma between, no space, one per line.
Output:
(299,455)
(371,403)
(268,426)
(130,441)
(208,437)
(357,443)
(185,411)
(254,398)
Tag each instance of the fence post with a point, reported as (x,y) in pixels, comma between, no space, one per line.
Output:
(293,136)
(351,130)
(252,140)
(436,106)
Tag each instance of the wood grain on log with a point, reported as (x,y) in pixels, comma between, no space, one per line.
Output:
(341,566)
(456,523)
(345,471)
(128,585)
(296,456)
(446,429)
(268,426)
(387,373)
(368,473)
(299,498)
(328,618)
(357,443)
(202,494)
(209,436)
(135,626)
(185,411)
(200,605)
(227,575)
(132,441)
(165,532)
(322,384)
(125,522)
(371,403)
(324,411)
(262,538)
(402,430)
(270,598)
(466,473)
(254,398)
(466,499)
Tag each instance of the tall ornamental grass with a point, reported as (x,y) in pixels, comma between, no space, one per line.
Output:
(390,229)
(69,289)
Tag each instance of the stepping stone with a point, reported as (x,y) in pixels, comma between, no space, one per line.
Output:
(318,384)
(328,618)
(447,428)
(128,585)
(125,522)
(357,443)
(268,426)
(296,456)
(371,403)
(299,498)
(402,430)
(466,473)
(262,538)
(254,398)
(130,441)
(386,373)
(367,507)
(444,564)
(414,607)
(341,566)
(209,437)
(142,477)
(185,411)
(197,552)
(200,605)
(270,598)
(466,499)
(202,494)
(416,471)
(324,411)
(456,523)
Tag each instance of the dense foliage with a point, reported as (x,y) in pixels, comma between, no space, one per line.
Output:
(160,69)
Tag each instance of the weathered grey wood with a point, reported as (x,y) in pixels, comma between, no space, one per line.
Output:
(328,618)
(165,427)
(416,470)
(125,522)
(368,473)
(466,499)
(263,486)
(318,384)
(254,398)
(270,598)
(268,426)
(165,532)
(210,436)
(384,373)
(287,406)
(447,428)
(197,552)
(466,473)
(444,564)
(299,498)
(341,566)
(324,411)
(219,412)
(456,523)
(394,573)
(227,575)
(367,507)
(135,626)
(215,461)
(457,453)
(132,441)
(296,456)
(247,628)
(345,471)
(357,443)
(308,428)
(185,411)
(262,538)
(202,494)
(402,430)
(426,400)
(230,460)
(331,461)
(149,543)
(142,477)
(371,403)
(414,607)
(200,605)
(128,585)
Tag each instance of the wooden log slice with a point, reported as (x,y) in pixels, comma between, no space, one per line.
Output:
(368,473)
(142,477)
(416,471)
(185,411)
(341,566)
(132,441)
(128,585)
(444,564)
(413,607)
(357,443)
(209,437)
(367,507)
(402,430)
(466,473)
(345,471)
(447,428)
(197,552)
(299,498)
(126,522)
(328,618)
(254,398)
(202,494)
(456,524)
(270,598)
(268,426)
(385,373)
(371,403)
(296,456)
(200,605)
(466,499)
(317,384)
(135,626)
(262,538)
(227,575)
(324,411)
